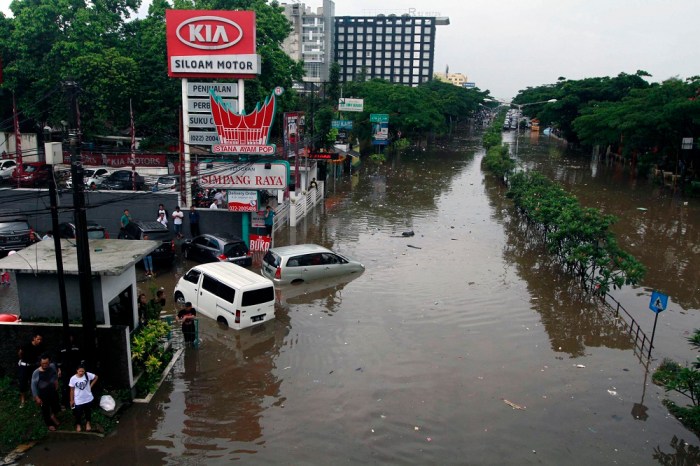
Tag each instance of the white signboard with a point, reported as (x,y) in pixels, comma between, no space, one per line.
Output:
(204,138)
(351,105)
(687,143)
(242,201)
(215,64)
(202,89)
(223,175)
(200,120)
(204,105)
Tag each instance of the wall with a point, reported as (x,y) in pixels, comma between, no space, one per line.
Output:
(39,297)
(113,355)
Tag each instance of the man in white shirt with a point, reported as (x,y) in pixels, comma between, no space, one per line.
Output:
(178,215)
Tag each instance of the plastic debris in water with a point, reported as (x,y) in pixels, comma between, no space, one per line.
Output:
(580,366)
(513,405)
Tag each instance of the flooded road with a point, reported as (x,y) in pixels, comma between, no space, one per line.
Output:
(462,344)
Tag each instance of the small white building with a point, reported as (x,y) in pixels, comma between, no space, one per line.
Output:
(114,288)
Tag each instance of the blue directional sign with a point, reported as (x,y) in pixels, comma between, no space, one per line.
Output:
(658,302)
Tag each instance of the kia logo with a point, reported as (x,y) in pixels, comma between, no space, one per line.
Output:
(209,33)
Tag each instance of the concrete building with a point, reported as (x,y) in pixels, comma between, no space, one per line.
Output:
(400,49)
(311,38)
(456,79)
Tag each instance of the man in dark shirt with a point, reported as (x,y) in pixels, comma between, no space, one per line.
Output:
(187,317)
(28,361)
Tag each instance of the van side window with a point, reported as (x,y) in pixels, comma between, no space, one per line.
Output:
(219,289)
(192,276)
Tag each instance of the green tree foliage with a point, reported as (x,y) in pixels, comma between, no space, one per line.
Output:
(578,237)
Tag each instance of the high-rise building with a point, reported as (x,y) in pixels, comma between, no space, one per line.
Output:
(400,49)
(457,79)
(311,40)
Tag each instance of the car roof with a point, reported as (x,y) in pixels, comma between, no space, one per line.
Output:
(149,225)
(223,238)
(299,249)
(233,273)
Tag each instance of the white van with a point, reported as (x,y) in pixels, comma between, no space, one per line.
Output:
(228,293)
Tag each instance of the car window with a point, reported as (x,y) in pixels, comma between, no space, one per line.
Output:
(96,234)
(202,241)
(235,249)
(254,297)
(13,226)
(192,276)
(101,172)
(272,259)
(29,168)
(224,292)
(327,258)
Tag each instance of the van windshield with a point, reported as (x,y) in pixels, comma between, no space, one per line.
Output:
(254,297)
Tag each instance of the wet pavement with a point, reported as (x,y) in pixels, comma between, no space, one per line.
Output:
(463,344)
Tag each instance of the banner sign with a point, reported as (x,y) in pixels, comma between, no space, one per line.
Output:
(293,127)
(201,121)
(378,118)
(204,105)
(202,89)
(323,155)
(380,133)
(211,44)
(351,105)
(242,201)
(259,243)
(120,160)
(257,219)
(223,175)
(341,124)
(204,138)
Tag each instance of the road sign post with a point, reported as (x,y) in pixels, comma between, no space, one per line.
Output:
(657,304)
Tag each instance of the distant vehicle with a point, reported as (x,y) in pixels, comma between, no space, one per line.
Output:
(6,169)
(94,231)
(227,293)
(123,180)
(167,183)
(155,231)
(305,262)
(91,175)
(15,233)
(215,248)
(34,174)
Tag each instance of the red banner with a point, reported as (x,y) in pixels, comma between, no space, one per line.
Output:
(120,160)
(259,243)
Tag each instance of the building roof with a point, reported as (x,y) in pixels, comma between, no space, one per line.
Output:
(107,256)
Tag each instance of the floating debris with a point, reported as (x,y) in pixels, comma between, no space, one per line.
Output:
(513,405)
(643,209)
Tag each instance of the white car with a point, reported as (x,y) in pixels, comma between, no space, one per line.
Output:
(91,175)
(6,169)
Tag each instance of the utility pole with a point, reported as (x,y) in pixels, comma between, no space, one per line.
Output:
(87,299)
(53,197)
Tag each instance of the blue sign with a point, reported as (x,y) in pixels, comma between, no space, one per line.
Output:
(658,302)
(341,124)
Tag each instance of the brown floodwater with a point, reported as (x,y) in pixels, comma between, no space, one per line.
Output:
(424,358)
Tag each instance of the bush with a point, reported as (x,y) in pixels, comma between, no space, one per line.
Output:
(149,355)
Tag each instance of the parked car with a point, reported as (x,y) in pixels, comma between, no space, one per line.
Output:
(94,231)
(33,174)
(216,248)
(6,169)
(167,183)
(155,231)
(15,233)
(304,262)
(227,293)
(91,175)
(123,180)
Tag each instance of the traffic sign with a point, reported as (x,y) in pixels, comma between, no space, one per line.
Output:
(658,302)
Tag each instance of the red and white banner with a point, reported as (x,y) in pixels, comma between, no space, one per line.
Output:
(259,243)
(242,201)
(211,44)
(241,133)
(120,160)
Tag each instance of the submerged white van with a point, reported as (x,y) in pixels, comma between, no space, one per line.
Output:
(228,293)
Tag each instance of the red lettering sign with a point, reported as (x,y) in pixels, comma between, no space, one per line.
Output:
(259,243)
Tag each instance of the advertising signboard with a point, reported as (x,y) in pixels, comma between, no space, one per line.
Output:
(211,44)
(380,129)
(293,127)
(243,133)
(351,105)
(242,201)
(341,124)
(259,243)
(223,175)
(202,89)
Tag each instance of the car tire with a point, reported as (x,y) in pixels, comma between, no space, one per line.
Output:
(179,298)
(222,321)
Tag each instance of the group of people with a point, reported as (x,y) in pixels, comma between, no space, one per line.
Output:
(177,217)
(40,374)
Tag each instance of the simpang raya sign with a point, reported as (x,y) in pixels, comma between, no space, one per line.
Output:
(233,176)
(211,44)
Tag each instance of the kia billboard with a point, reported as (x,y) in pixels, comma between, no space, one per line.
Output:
(211,44)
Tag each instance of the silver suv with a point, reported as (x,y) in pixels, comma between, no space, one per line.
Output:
(304,262)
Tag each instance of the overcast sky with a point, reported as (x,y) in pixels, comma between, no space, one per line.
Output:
(508,45)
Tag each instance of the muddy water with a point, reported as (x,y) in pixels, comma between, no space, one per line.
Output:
(424,358)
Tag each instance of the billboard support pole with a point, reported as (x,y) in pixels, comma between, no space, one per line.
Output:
(187,172)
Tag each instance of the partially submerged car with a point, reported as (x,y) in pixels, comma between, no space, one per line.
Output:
(304,262)
(217,248)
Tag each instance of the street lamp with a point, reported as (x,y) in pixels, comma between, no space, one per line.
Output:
(520,108)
